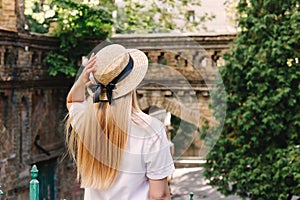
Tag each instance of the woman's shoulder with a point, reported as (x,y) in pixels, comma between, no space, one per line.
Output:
(144,120)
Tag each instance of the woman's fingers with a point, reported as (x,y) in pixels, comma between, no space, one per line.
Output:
(92,68)
(91,61)
(89,68)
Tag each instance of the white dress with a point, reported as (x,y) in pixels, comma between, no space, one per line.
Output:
(147,156)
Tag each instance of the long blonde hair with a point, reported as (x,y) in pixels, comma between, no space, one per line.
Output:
(96,140)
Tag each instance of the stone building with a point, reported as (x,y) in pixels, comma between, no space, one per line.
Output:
(32,103)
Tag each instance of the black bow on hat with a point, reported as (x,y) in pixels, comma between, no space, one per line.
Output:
(97,88)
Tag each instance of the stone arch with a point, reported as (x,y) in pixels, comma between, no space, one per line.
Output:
(175,108)
(186,142)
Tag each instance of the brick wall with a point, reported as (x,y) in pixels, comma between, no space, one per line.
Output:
(32,111)
(9,14)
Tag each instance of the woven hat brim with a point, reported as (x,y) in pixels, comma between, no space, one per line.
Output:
(135,77)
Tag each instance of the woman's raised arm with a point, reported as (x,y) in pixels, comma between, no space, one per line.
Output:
(76,94)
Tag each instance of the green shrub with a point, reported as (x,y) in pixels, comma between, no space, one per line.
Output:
(258,153)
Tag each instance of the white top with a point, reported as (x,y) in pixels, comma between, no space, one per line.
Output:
(147,156)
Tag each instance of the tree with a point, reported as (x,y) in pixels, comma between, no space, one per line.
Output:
(258,153)
(38,15)
(74,23)
(156,16)
(131,16)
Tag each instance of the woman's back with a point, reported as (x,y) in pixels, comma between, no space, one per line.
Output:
(145,156)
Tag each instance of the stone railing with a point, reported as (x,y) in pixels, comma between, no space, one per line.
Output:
(21,55)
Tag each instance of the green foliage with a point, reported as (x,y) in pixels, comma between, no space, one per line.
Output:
(258,153)
(156,16)
(35,26)
(74,23)
(131,20)
(39,15)
(56,61)
(82,19)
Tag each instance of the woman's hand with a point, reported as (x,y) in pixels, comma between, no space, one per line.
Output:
(84,78)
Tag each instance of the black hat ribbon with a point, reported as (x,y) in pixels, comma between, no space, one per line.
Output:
(97,88)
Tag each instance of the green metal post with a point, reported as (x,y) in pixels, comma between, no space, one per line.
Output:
(1,192)
(191,196)
(34,184)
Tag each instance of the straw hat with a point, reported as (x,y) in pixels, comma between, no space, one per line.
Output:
(118,69)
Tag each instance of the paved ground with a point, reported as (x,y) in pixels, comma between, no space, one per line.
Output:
(186,180)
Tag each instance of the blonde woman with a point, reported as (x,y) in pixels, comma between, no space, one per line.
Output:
(120,152)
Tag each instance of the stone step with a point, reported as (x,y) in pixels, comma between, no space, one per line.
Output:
(189,162)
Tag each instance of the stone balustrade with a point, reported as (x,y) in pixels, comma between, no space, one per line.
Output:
(21,56)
